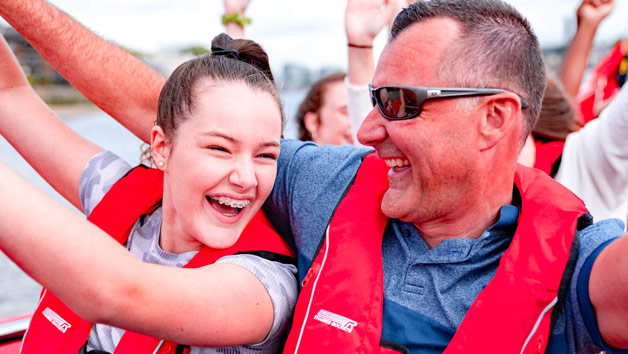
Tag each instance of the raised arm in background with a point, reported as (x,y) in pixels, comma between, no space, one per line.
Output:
(54,150)
(120,84)
(364,19)
(590,14)
(234,28)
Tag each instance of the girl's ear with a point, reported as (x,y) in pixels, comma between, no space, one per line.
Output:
(159,147)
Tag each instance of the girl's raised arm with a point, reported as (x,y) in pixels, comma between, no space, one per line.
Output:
(53,149)
(218,305)
(113,79)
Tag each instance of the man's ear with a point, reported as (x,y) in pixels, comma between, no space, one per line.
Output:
(160,149)
(502,115)
(312,124)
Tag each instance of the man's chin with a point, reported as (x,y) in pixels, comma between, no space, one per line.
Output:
(391,206)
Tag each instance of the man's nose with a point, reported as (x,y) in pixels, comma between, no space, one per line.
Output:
(372,130)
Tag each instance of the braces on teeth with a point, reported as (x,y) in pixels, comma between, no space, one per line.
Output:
(232,204)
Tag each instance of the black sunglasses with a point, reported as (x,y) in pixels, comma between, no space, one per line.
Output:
(405,102)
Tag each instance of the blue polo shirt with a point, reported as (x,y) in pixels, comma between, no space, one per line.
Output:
(427,292)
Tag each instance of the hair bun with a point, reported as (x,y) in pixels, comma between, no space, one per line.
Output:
(243,50)
(220,51)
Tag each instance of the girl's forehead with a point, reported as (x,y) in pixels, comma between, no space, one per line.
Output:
(235,110)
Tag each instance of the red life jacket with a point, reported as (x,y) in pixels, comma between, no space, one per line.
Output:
(603,82)
(340,307)
(55,328)
(547,154)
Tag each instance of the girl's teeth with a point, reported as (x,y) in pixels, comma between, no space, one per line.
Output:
(233,204)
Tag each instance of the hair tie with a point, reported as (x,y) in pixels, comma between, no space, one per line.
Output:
(220,51)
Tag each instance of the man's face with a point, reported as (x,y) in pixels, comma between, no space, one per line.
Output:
(432,156)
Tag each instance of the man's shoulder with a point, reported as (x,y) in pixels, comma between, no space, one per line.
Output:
(603,230)
(595,237)
(310,182)
(312,164)
(579,324)
(298,151)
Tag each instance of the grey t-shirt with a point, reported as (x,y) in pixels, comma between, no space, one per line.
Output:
(279,279)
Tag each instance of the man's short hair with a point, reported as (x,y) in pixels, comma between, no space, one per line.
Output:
(496,48)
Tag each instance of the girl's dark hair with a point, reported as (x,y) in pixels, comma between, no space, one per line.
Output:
(558,117)
(244,62)
(313,101)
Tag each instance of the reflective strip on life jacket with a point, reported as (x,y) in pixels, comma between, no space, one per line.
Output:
(547,153)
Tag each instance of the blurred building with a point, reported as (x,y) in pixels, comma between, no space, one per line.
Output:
(36,69)
(294,77)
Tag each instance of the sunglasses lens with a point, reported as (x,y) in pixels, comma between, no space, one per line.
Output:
(397,103)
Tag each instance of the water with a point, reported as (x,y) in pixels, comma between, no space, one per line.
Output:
(18,292)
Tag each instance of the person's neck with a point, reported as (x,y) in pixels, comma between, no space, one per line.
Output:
(470,225)
(171,239)
(172,235)
(480,209)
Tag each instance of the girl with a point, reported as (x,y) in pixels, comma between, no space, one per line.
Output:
(215,144)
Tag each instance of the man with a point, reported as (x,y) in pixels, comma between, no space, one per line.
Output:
(522,266)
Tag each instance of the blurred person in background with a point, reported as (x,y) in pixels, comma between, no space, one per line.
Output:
(364,20)
(592,161)
(322,115)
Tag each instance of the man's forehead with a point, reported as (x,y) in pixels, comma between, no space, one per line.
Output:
(414,55)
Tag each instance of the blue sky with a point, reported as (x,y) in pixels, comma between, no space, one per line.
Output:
(302,31)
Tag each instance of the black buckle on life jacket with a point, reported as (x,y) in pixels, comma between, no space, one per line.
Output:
(584,221)
(183,349)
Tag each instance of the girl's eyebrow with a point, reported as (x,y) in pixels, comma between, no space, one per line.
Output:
(271,144)
(219,134)
(215,133)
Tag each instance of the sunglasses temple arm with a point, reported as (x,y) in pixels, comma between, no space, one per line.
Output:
(475,92)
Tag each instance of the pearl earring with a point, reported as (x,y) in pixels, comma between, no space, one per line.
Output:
(160,163)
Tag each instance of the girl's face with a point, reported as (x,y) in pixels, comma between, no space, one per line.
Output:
(220,166)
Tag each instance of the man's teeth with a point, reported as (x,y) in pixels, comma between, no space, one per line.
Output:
(231,203)
(397,162)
